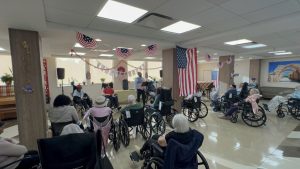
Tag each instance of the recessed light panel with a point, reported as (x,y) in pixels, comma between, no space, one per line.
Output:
(98,40)
(77,45)
(259,45)
(2,49)
(238,42)
(149,58)
(106,55)
(180,27)
(284,53)
(121,12)
(279,51)
(78,53)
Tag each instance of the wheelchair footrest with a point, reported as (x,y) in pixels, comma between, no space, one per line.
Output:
(134,156)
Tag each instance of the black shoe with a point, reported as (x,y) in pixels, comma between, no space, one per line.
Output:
(134,156)
(266,107)
(119,108)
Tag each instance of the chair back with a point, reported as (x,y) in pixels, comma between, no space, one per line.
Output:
(58,127)
(166,95)
(134,117)
(73,151)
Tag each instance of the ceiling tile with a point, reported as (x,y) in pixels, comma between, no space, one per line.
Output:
(246,6)
(107,25)
(217,2)
(68,18)
(278,10)
(179,9)
(145,4)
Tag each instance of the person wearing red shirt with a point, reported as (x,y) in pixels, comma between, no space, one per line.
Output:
(109,93)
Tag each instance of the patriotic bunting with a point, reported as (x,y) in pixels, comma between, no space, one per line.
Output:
(229,60)
(151,49)
(220,65)
(123,53)
(86,41)
(207,57)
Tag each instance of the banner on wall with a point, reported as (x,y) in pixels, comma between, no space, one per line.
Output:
(284,71)
(46,81)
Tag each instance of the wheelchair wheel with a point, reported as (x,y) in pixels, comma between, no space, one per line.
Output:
(234,117)
(254,120)
(281,112)
(154,163)
(169,116)
(124,133)
(157,124)
(202,160)
(145,130)
(190,114)
(116,136)
(203,111)
(295,112)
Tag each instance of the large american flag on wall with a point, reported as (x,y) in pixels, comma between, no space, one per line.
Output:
(187,70)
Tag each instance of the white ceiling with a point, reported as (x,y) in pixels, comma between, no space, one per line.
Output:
(275,23)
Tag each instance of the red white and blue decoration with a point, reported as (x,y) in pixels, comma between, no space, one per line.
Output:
(86,41)
(151,49)
(229,60)
(123,53)
(207,58)
(220,65)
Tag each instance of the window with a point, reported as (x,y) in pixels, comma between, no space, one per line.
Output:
(5,66)
(131,66)
(97,74)
(153,72)
(74,70)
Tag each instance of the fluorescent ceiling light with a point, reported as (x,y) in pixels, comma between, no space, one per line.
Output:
(201,61)
(78,53)
(2,49)
(279,51)
(98,40)
(238,42)
(122,47)
(259,45)
(121,12)
(114,48)
(100,50)
(143,45)
(149,58)
(284,53)
(77,45)
(180,27)
(106,55)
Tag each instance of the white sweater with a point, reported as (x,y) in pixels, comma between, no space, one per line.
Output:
(10,152)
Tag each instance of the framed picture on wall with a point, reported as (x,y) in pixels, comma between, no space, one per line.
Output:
(284,71)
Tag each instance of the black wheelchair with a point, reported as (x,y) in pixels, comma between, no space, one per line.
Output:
(57,128)
(248,116)
(111,104)
(292,107)
(154,158)
(130,120)
(194,109)
(150,91)
(223,103)
(114,132)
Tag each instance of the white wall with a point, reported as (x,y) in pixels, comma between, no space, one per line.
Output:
(242,68)
(264,74)
(5,64)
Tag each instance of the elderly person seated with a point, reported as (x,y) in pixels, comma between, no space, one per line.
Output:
(109,93)
(277,100)
(62,111)
(181,134)
(132,104)
(71,129)
(100,110)
(15,156)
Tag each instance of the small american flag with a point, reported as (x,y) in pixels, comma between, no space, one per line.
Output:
(86,41)
(123,53)
(187,70)
(151,49)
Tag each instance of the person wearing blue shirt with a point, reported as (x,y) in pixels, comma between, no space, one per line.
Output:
(139,88)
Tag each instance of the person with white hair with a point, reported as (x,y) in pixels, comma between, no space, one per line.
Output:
(182,134)
(277,100)
(71,129)
(132,104)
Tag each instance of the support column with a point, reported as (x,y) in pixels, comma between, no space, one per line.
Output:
(30,101)
(170,74)
(87,72)
(254,71)
(225,72)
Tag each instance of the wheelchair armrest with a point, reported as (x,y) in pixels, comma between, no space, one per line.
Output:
(157,148)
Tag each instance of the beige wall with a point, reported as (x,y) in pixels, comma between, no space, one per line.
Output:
(204,71)
(264,74)
(242,68)
(5,64)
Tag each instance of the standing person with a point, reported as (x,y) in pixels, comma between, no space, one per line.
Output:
(10,152)
(139,88)
(74,87)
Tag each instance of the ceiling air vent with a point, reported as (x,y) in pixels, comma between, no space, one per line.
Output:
(155,21)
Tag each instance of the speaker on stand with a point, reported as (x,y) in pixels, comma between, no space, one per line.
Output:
(61,75)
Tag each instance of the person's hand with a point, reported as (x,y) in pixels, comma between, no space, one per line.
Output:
(162,141)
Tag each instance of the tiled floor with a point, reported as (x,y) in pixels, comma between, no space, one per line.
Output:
(229,145)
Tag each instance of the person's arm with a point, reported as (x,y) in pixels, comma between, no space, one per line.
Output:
(12,150)
(162,141)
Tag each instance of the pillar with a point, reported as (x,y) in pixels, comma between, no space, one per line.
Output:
(118,81)
(254,70)
(30,101)
(225,72)
(87,72)
(170,75)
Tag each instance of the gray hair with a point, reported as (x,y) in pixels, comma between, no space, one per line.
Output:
(180,123)
(131,99)
(71,129)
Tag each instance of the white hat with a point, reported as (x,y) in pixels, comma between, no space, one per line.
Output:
(100,101)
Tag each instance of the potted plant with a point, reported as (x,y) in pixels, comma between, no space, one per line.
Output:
(102,80)
(7,79)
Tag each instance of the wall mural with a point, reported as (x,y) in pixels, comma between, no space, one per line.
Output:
(284,71)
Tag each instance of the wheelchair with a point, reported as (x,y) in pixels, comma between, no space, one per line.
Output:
(292,107)
(194,109)
(130,120)
(248,116)
(57,128)
(114,133)
(110,104)
(154,158)
(77,103)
